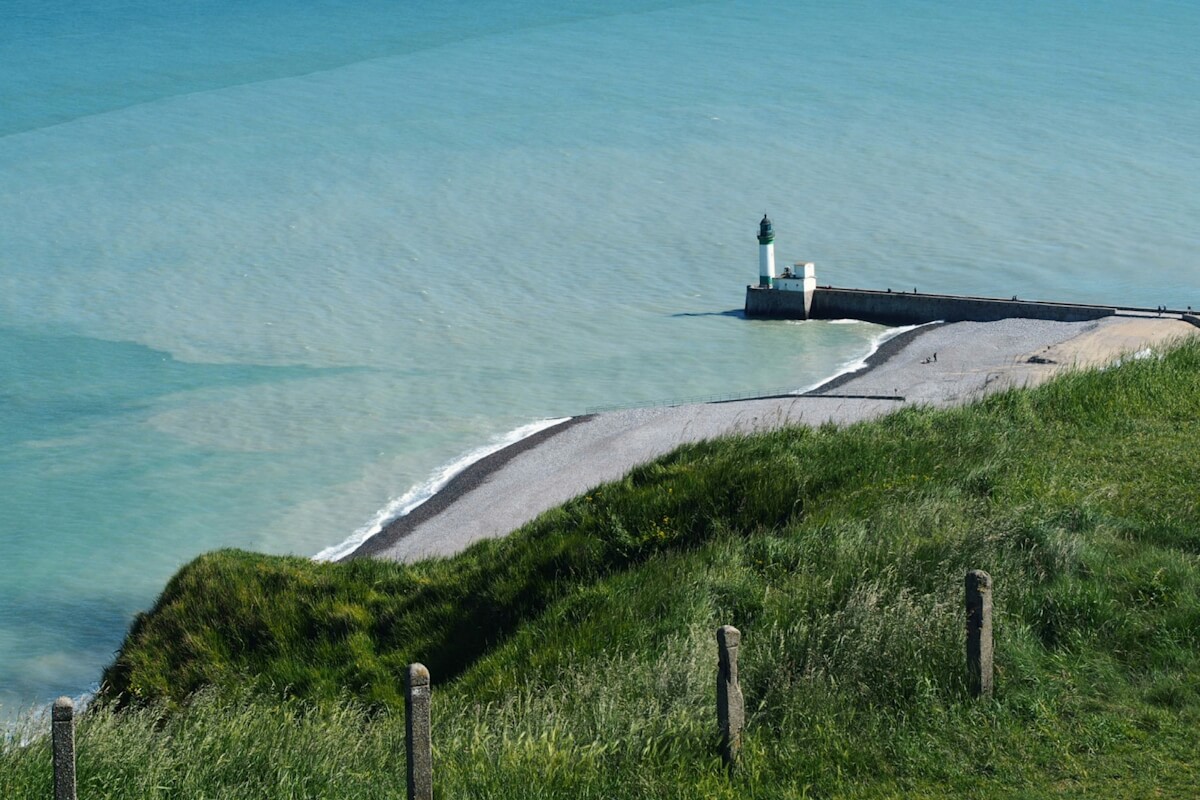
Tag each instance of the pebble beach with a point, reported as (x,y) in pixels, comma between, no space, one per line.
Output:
(933,365)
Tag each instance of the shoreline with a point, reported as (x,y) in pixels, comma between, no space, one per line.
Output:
(462,483)
(477,473)
(887,350)
(933,365)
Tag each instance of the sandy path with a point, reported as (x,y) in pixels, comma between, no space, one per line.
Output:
(501,493)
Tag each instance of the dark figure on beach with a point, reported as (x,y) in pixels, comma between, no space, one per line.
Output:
(935,358)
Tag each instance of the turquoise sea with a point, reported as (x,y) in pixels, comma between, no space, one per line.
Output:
(267,268)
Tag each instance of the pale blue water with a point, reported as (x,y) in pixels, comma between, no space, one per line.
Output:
(265,267)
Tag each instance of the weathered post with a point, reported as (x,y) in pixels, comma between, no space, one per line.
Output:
(417,736)
(979,633)
(62,737)
(731,712)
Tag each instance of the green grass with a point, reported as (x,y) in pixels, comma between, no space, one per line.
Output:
(576,658)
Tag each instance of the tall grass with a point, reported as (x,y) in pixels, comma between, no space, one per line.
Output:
(576,658)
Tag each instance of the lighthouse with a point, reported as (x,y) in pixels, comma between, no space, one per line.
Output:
(800,279)
(766,253)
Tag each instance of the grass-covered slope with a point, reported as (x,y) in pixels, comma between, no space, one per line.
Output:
(576,657)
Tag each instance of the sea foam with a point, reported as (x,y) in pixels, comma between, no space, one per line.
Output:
(857,364)
(414,497)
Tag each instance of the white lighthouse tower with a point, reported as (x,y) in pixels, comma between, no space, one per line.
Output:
(766,253)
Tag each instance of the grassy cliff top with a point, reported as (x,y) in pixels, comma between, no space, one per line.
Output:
(576,657)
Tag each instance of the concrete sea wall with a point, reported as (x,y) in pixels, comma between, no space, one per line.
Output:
(909,308)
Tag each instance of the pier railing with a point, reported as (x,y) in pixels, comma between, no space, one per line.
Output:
(814,393)
(723,397)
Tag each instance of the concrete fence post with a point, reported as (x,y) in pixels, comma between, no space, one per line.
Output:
(731,711)
(62,737)
(417,736)
(980,673)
